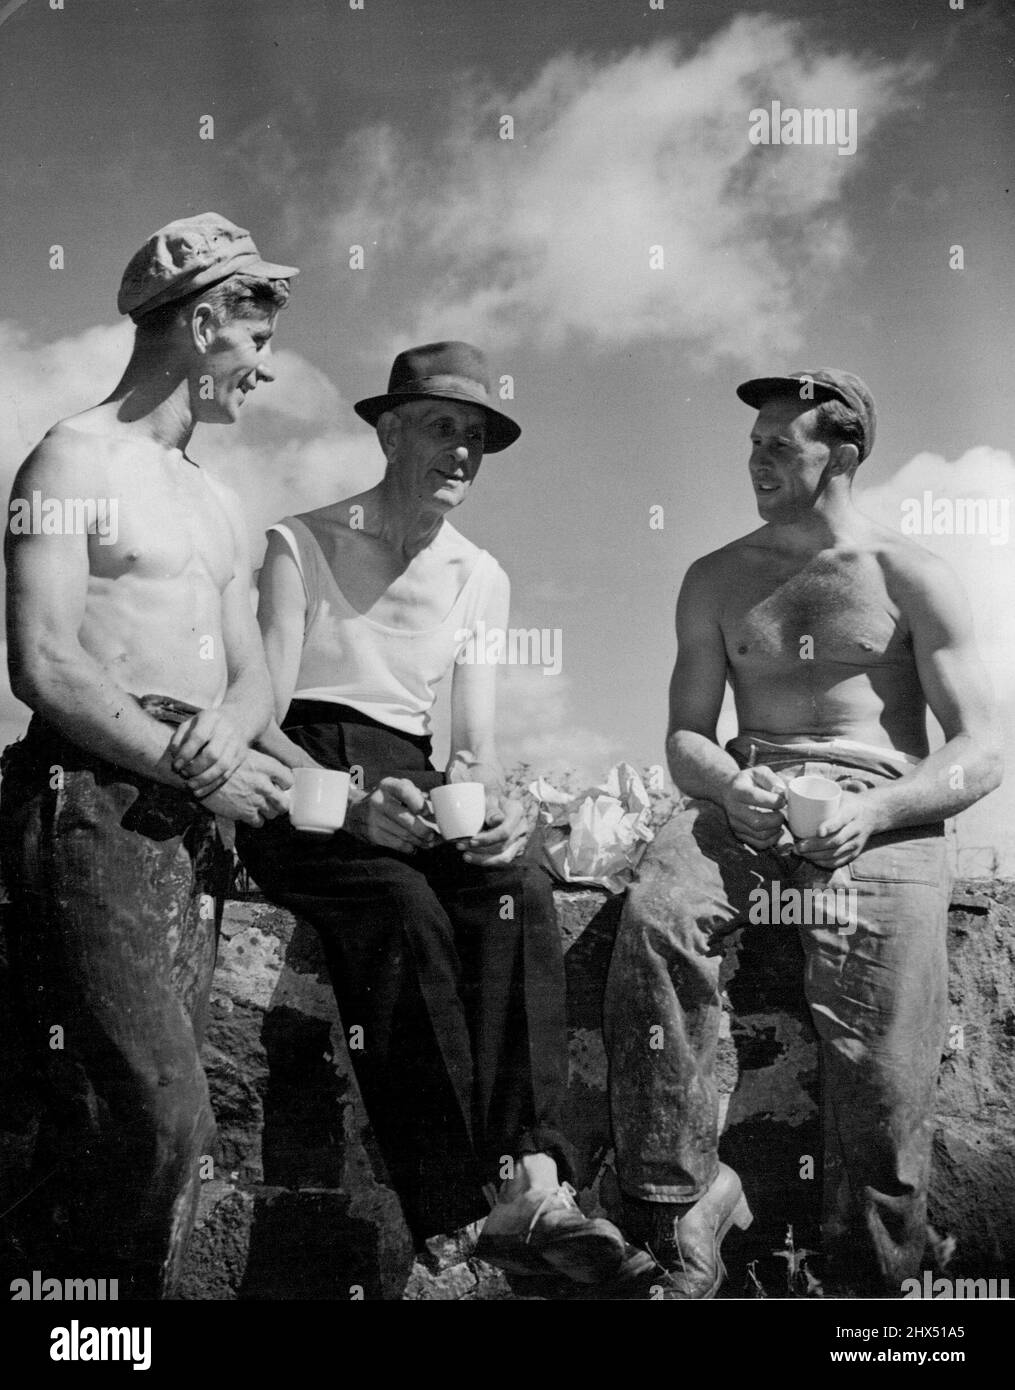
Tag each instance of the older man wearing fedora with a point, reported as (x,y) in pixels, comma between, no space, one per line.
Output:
(446,955)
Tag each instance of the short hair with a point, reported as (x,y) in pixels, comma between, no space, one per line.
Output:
(238,297)
(834,422)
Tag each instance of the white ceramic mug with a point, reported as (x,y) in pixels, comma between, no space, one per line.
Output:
(460,808)
(318,799)
(811,801)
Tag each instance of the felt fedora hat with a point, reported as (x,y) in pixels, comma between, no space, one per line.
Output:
(443,372)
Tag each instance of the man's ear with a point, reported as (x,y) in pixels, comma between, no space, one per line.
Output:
(844,460)
(389,429)
(202,326)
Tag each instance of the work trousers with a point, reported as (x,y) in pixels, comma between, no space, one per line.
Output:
(449,980)
(876,982)
(116,886)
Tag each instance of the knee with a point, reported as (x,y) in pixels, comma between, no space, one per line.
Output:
(653,912)
(172,1115)
(409,899)
(519,902)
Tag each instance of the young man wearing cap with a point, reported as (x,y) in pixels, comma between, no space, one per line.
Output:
(446,956)
(836,635)
(111,849)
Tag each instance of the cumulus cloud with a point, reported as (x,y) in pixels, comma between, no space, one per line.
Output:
(547,235)
(538,722)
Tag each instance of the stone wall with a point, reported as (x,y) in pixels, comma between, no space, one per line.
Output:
(299,1208)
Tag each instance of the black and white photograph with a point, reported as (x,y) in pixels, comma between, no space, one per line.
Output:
(509,667)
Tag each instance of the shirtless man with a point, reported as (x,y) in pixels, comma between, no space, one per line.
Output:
(446,956)
(836,635)
(111,847)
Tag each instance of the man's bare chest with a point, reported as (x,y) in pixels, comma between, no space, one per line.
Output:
(826,612)
(167,526)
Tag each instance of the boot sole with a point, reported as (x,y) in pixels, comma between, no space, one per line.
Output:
(588,1259)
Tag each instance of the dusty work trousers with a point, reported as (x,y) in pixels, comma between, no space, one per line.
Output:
(451,974)
(116,887)
(876,982)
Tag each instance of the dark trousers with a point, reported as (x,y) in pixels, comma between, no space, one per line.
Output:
(449,979)
(116,887)
(877,984)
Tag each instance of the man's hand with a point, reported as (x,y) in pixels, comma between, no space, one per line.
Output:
(754,802)
(390,816)
(505,838)
(843,834)
(206,750)
(254,793)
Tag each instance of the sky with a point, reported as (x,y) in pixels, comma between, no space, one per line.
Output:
(626,258)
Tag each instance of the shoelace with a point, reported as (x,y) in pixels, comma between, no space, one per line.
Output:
(565,1191)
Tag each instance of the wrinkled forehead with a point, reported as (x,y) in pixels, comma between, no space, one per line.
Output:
(422,412)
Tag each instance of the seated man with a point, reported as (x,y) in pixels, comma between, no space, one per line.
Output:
(111,852)
(447,956)
(836,635)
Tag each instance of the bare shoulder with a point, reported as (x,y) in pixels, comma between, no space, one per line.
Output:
(66,461)
(926,589)
(720,569)
(347,513)
(908,565)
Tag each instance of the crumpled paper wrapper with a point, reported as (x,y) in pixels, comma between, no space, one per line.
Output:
(597,837)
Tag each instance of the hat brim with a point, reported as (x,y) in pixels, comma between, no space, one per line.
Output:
(501,430)
(268,269)
(761,388)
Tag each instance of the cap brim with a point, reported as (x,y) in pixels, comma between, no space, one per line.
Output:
(761,388)
(268,269)
(501,431)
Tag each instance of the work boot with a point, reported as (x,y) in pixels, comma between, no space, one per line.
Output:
(685,1237)
(541,1230)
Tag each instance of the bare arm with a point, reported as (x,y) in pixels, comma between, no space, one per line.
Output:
(954,681)
(47,589)
(752,797)
(473,702)
(248,697)
(698,766)
(281,616)
(208,749)
(473,711)
(969,765)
